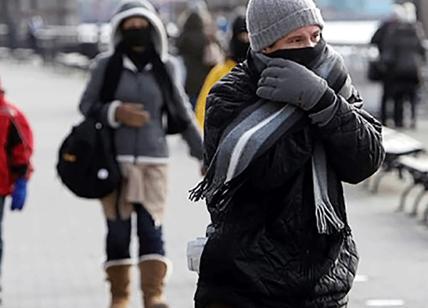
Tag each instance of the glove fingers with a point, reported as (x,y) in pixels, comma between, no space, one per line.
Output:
(283,63)
(266,92)
(268,81)
(16,207)
(273,71)
(278,62)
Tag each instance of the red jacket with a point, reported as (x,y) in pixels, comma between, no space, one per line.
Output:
(16,146)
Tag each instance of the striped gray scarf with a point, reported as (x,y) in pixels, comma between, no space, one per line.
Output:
(255,130)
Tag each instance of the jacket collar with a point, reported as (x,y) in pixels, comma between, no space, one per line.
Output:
(128,64)
(257,61)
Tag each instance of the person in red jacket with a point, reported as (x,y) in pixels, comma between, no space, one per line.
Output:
(16,148)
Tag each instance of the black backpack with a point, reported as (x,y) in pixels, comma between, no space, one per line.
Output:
(87,161)
(87,158)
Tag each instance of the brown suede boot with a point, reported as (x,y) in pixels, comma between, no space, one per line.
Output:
(119,277)
(153,273)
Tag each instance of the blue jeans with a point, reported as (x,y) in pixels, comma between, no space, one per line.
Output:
(119,236)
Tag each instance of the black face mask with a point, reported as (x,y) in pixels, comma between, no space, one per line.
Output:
(304,56)
(137,37)
(238,50)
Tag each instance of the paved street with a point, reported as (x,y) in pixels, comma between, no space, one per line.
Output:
(54,249)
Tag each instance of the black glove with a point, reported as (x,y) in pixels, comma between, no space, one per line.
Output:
(289,82)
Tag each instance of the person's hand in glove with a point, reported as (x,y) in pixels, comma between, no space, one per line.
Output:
(289,82)
(19,195)
(131,114)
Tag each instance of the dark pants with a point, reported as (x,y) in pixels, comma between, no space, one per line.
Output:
(2,201)
(386,96)
(398,94)
(400,98)
(119,236)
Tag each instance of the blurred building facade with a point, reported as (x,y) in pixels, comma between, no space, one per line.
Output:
(225,4)
(53,12)
(17,17)
(62,16)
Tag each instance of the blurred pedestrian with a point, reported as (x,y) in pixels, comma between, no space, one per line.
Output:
(134,91)
(34,25)
(16,149)
(200,51)
(408,56)
(399,41)
(282,132)
(238,47)
(378,40)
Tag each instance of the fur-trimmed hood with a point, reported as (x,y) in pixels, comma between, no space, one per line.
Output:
(145,9)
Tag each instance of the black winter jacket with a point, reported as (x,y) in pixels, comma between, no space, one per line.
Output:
(266,251)
(401,49)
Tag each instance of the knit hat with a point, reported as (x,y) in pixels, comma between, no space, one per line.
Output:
(270,20)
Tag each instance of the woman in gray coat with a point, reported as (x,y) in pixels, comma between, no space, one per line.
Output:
(135,91)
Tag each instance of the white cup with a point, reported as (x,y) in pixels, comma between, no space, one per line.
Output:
(194,253)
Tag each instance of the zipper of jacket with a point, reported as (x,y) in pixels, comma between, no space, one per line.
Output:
(137,129)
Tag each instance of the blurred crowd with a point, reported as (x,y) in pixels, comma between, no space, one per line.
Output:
(199,38)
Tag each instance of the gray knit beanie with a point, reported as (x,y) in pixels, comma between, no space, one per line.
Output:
(270,20)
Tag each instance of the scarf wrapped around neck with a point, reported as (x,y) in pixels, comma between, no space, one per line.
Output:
(257,128)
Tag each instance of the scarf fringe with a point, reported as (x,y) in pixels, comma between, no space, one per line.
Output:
(217,195)
(199,191)
(208,189)
(327,219)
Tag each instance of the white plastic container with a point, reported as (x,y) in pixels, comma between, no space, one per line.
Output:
(194,253)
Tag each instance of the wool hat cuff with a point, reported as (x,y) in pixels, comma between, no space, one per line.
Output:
(302,18)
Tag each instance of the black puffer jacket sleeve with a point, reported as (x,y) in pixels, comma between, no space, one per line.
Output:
(224,102)
(353,142)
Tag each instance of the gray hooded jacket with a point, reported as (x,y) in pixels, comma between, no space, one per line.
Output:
(146,144)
